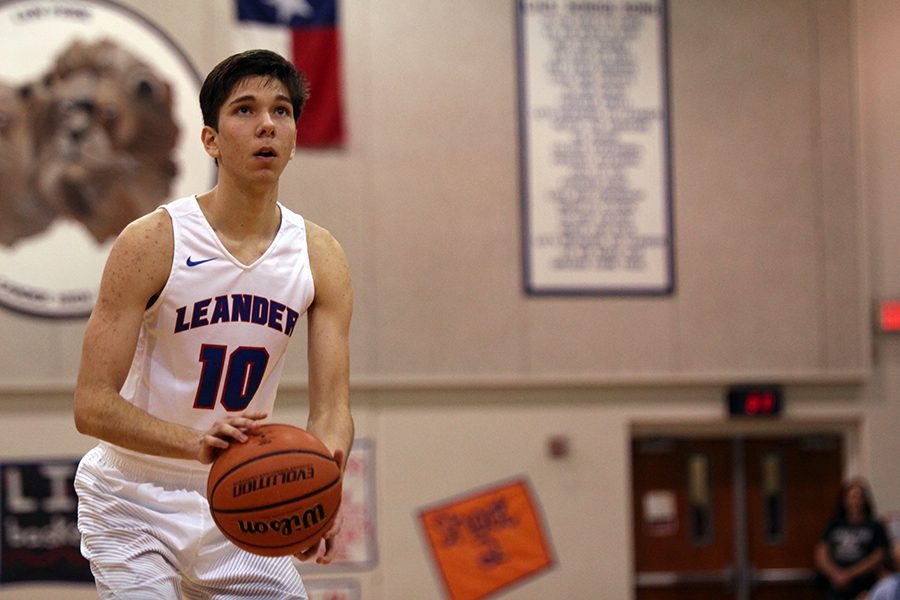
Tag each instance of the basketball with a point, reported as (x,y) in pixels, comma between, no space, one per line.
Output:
(277,493)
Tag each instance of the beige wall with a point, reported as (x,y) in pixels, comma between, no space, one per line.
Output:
(425,198)
(784,117)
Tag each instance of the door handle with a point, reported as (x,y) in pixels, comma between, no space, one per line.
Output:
(799,575)
(654,579)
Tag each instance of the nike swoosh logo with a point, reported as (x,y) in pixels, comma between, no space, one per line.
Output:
(194,263)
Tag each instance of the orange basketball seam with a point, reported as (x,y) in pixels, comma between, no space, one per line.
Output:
(224,475)
(228,511)
(262,456)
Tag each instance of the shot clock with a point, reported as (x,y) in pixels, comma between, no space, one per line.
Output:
(755,400)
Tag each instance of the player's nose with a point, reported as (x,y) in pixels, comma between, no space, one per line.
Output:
(266,125)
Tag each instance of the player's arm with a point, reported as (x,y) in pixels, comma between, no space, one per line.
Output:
(136,270)
(328,343)
(329,364)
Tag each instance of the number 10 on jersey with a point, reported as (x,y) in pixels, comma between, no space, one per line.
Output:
(244,373)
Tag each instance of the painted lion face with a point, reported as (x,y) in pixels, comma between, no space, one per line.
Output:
(22,212)
(105,134)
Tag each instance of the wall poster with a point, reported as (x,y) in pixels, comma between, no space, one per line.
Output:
(332,589)
(357,545)
(594,143)
(39,539)
(488,540)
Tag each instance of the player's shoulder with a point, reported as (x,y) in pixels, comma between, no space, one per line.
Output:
(327,260)
(152,221)
(139,262)
(321,242)
(150,235)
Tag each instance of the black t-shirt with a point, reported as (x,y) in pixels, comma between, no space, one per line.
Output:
(850,543)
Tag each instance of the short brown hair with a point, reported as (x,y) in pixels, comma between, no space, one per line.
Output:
(227,74)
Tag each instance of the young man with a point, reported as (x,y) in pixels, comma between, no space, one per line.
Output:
(185,346)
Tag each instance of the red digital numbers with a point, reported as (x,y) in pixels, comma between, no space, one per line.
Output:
(754,401)
(759,403)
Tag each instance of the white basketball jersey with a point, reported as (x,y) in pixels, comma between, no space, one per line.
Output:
(213,342)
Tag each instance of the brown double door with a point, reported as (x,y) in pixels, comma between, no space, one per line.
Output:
(732,518)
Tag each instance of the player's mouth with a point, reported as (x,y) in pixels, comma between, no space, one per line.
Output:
(266,152)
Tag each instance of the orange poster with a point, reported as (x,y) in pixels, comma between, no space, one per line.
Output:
(487,540)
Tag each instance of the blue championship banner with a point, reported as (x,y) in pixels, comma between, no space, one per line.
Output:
(39,538)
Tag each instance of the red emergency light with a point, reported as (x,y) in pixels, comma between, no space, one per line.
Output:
(889,315)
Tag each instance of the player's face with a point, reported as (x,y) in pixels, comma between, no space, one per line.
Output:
(257,130)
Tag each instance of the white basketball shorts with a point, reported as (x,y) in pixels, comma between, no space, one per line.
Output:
(148,534)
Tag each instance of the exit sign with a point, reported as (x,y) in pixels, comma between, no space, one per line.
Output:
(889,315)
(755,400)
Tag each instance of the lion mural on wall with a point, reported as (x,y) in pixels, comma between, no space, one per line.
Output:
(22,212)
(101,132)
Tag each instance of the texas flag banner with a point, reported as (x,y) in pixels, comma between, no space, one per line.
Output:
(306,32)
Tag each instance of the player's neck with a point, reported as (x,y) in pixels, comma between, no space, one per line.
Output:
(241,213)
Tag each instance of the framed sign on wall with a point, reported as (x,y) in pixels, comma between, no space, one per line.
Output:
(594,143)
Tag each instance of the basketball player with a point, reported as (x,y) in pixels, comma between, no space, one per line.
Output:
(185,346)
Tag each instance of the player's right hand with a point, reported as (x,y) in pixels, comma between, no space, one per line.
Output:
(232,428)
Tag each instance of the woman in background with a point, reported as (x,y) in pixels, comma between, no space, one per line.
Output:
(852,551)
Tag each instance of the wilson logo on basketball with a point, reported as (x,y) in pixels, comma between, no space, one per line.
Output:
(288,525)
(268,480)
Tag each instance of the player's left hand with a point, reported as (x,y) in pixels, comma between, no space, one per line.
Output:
(324,552)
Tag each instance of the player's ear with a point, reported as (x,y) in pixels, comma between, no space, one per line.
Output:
(210,139)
